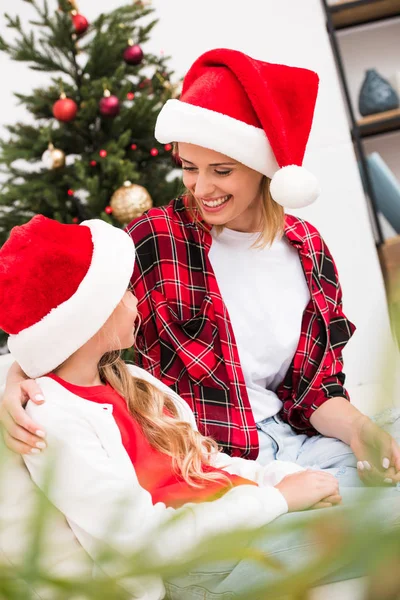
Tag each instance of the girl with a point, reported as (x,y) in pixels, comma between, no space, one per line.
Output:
(119,437)
(241,304)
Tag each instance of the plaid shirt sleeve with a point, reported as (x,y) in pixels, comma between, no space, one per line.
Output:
(332,377)
(329,378)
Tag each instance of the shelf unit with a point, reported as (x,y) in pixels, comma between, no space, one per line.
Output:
(354,13)
(359,12)
(380,123)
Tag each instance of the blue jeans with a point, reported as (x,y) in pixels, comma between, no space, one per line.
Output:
(294,549)
(279,441)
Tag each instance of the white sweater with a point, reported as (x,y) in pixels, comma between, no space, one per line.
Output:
(95,486)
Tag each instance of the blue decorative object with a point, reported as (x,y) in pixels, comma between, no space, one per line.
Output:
(376,95)
(386,189)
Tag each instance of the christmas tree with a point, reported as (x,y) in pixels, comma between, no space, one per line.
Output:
(91,147)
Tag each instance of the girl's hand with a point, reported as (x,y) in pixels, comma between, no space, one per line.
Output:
(20,433)
(309,489)
(328,502)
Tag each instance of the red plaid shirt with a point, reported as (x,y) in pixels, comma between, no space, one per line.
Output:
(186,338)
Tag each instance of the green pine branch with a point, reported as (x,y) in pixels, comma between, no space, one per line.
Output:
(26,49)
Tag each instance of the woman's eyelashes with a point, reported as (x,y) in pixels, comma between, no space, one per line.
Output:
(228,172)
(192,169)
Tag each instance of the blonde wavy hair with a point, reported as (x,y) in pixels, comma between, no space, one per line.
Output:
(272,217)
(158,417)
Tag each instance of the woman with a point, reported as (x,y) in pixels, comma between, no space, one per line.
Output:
(127,456)
(241,305)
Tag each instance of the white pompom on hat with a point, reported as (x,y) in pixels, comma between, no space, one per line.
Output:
(294,187)
(255,112)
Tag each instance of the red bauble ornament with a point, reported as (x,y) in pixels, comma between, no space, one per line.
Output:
(108,210)
(93,163)
(154,151)
(70,192)
(168,147)
(133,55)
(103,153)
(109,106)
(80,22)
(65,109)
(130,96)
(133,147)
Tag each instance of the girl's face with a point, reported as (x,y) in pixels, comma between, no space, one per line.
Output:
(226,191)
(119,330)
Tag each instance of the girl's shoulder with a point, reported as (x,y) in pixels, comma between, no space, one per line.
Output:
(60,401)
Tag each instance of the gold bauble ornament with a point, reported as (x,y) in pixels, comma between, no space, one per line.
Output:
(53,158)
(130,201)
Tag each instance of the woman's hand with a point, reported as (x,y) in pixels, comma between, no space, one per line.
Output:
(377,453)
(20,433)
(309,489)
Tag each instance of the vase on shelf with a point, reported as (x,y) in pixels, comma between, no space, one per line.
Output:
(376,94)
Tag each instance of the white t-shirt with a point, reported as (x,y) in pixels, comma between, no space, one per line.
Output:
(265,292)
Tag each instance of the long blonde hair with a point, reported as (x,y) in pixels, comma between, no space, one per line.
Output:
(158,417)
(272,216)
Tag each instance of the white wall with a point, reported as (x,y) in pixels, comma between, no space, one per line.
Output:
(290,32)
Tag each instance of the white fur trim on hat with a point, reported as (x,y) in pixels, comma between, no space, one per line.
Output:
(182,122)
(41,348)
(294,187)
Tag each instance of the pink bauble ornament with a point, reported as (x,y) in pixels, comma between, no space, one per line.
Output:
(133,55)
(109,106)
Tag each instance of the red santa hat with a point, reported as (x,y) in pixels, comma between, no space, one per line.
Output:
(58,286)
(255,112)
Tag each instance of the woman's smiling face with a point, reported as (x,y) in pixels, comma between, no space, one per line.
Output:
(226,192)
